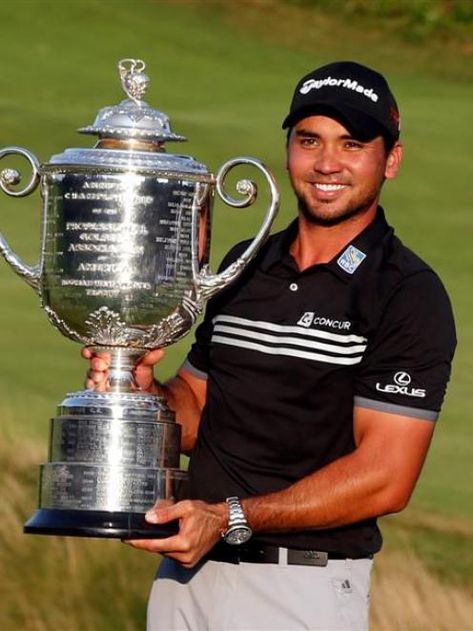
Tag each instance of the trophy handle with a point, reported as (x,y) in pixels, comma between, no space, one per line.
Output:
(210,284)
(9,178)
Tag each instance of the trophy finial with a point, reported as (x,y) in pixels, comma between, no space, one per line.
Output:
(132,118)
(134,81)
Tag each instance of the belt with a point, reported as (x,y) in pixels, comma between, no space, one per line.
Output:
(259,553)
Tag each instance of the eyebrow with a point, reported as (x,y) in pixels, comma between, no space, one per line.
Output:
(305,133)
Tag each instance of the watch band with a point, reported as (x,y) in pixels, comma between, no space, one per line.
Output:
(237,531)
(235,512)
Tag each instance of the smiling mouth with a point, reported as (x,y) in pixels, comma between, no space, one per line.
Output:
(329,188)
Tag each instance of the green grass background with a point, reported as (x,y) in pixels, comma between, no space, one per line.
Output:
(225,72)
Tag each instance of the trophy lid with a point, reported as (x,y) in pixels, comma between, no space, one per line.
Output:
(131,134)
(133,118)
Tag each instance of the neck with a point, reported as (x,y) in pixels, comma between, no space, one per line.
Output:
(315,244)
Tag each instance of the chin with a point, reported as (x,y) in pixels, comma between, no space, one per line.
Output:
(326,216)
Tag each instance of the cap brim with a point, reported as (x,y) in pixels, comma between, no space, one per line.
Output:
(359,124)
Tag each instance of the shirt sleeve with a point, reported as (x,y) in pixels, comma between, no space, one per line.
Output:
(407,363)
(197,361)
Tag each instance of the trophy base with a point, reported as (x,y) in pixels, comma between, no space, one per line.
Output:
(102,524)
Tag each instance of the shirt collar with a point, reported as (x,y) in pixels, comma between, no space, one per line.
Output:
(346,263)
(278,250)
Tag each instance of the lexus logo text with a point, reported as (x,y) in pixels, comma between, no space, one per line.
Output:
(401,383)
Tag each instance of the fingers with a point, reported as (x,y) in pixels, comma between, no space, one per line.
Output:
(162,512)
(99,364)
(96,381)
(180,548)
(89,353)
(152,358)
(89,384)
(144,375)
(200,525)
(170,545)
(97,375)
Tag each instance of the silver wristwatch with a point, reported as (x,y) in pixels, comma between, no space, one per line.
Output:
(237,531)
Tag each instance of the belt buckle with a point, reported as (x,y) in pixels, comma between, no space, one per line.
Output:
(307,557)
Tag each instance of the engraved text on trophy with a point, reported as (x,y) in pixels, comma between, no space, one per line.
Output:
(106,243)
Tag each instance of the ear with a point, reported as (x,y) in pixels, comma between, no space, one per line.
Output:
(393,162)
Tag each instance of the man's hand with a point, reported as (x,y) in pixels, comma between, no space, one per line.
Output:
(97,375)
(200,528)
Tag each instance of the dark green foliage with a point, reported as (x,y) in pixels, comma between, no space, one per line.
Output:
(414,19)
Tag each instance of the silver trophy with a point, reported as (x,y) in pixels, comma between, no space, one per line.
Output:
(123,269)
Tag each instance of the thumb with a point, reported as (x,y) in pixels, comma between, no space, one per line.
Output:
(164,511)
(144,376)
(152,358)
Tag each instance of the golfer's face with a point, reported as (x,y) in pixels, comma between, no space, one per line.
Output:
(334,175)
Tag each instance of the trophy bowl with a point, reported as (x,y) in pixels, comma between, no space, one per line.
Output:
(124,268)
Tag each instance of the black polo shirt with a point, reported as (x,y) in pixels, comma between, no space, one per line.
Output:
(288,355)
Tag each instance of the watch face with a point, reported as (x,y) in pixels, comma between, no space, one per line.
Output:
(238,535)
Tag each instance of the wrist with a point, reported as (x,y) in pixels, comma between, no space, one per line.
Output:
(223,515)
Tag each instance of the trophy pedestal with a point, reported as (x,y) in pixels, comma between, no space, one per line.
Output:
(112,456)
(103,524)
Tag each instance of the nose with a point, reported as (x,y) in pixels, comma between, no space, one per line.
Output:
(327,160)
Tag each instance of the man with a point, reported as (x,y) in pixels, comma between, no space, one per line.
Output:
(309,398)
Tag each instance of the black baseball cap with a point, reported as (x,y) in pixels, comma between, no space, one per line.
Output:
(353,94)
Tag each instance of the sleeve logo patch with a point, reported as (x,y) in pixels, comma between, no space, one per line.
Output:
(401,384)
(351,259)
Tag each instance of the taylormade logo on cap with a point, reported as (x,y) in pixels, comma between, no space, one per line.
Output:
(350,84)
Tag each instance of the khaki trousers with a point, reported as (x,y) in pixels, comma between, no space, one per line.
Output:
(219,596)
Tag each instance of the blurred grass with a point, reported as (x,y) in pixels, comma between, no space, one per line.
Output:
(60,582)
(224,72)
(73,584)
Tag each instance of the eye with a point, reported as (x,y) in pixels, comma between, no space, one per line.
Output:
(353,145)
(308,141)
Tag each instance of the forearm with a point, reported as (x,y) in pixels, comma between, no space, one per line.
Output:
(377,478)
(348,490)
(186,405)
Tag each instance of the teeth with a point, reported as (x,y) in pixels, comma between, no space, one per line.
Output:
(329,187)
